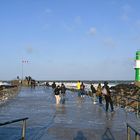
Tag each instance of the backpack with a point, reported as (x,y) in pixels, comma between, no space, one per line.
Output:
(104,91)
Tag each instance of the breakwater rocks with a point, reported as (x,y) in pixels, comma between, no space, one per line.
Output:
(127,96)
(124,95)
(7,92)
(126,88)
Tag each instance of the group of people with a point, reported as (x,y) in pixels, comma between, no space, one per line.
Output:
(99,92)
(59,92)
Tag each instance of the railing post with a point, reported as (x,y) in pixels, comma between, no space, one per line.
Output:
(128,133)
(23,129)
(136,136)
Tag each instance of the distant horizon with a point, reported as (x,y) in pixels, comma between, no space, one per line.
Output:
(74,80)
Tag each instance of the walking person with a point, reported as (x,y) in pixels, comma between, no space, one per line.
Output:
(78,88)
(63,93)
(106,92)
(53,85)
(57,94)
(82,90)
(99,93)
(93,92)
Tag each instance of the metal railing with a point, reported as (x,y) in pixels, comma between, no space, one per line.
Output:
(18,120)
(129,128)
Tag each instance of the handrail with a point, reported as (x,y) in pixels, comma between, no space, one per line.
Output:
(129,128)
(13,121)
(18,120)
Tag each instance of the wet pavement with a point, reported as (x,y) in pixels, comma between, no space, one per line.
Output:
(77,119)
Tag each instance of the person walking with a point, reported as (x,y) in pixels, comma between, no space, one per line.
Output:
(106,92)
(99,93)
(93,92)
(82,90)
(53,85)
(57,94)
(78,88)
(63,93)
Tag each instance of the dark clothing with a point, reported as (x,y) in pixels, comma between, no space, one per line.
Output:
(100,99)
(63,90)
(33,83)
(57,91)
(53,85)
(93,90)
(109,101)
(108,98)
(82,89)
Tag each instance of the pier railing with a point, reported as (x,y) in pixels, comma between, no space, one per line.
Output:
(18,120)
(129,128)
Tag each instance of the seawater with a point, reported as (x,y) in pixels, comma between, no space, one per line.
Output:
(72,84)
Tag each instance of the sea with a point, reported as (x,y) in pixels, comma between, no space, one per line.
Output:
(87,83)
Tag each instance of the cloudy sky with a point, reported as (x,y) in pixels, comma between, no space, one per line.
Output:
(69,39)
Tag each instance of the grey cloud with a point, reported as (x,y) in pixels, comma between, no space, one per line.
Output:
(92,31)
(29,49)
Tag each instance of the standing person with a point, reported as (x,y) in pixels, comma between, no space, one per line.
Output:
(99,93)
(82,89)
(33,83)
(93,91)
(53,85)
(106,92)
(63,93)
(78,88)
(57,94)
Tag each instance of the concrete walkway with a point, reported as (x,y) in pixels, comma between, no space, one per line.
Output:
(75,120)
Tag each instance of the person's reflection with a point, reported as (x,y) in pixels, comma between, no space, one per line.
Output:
(61,109)
(80,136)
(108,135)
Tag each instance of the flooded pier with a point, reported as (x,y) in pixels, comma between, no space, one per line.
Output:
(75,120)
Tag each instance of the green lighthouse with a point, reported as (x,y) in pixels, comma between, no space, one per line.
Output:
(137,67)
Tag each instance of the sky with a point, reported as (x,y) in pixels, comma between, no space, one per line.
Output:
(69,39)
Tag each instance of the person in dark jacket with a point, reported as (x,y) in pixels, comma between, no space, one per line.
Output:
(107,95)
(63,93)
(53,85)
(82,89)
(57,94)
